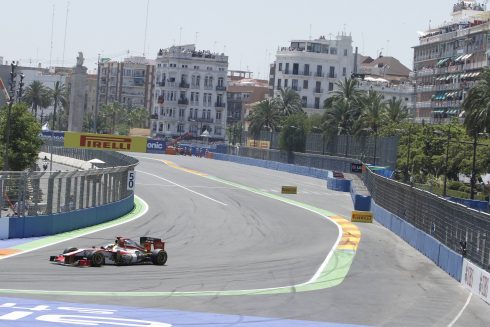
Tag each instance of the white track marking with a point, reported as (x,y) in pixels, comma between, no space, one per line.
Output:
(181,186)
(460,313)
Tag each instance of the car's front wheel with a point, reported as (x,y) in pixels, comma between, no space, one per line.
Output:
(97,259)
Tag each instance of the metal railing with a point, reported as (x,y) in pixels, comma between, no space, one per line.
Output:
(448,222)
(34,193)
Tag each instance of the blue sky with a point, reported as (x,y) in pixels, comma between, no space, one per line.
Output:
(249,32)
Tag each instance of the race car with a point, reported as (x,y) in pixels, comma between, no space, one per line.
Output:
(123,251)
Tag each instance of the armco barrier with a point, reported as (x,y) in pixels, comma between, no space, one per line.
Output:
(22,227)
(441,255)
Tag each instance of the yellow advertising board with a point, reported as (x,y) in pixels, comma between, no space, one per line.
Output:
(289,190)
(251,143)
(362,217)
(105,142)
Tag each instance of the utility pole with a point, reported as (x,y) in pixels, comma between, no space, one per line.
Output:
(96,110)
(473,169)
(11,102)
(446,161)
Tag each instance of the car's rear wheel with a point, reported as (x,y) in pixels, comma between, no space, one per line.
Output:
(97,259)
(159,258)
(68,250)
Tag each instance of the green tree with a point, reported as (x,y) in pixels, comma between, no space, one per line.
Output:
(338,118)
(477,116)
(289,102)
(111,113)
(293,133)
(265,115)
(371,118)
(37,95)
(60,98)
(396,112)
(24,142)
(347,91)
(137,117)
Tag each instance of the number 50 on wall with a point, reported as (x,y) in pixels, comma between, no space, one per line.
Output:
(131,179)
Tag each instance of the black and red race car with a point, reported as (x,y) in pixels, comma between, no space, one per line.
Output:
(123,251)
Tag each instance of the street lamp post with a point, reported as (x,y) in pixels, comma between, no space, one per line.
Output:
(96,109)
(444,193)
(473,169)
(9,112)
(407,168)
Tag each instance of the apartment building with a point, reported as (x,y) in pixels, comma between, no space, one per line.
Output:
(243,89)
(389,77)
(190,93)
(448,60)
(129,82)
(312,67)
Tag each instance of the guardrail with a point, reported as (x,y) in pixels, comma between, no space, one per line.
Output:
(459,228)
(37,193)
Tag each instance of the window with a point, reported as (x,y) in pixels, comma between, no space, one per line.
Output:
(220,81)
(285,83)
(280,67)
(318,87)
(191,112)
(305,84)
(278,83)
(218,115)
(196,67)
(344,71)
(304,101)
(295,69)
(345,52)
(286,69)
(330,86)
(319,70)
(331,72)
(307,70)
(294,84)
(317,103)
(209,68)
(160,127)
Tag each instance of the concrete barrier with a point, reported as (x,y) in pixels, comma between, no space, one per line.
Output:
(338,184)
(22,227)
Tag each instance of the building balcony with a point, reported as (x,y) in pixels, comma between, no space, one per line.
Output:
(305,73)
(220,105)
(317,90)
(183,101)
(154,116)
(220,88)
(184,85)
(319,74)
(195,86)
(332,75)
(200,120)
(208,87)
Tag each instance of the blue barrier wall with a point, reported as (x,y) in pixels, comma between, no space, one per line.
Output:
(338,184)
(450,261)
(22,227)
(475,204)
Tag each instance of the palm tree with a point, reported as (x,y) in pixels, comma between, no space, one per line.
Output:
(266,114)
(59,96)
(396,112)
(476,108)
(37,95)
(372,117)
(289,102)
(112,112)
(137,116)
(337,119)
(346,90)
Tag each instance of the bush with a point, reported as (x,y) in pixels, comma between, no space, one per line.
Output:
(455,185)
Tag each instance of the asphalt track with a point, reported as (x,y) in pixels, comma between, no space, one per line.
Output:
(236,246)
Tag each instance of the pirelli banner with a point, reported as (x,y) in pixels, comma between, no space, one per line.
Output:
(105,142)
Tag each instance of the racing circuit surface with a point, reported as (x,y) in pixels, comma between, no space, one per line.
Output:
(237,246)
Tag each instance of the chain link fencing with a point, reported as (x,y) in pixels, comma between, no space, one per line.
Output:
(33,193)
(448,222)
